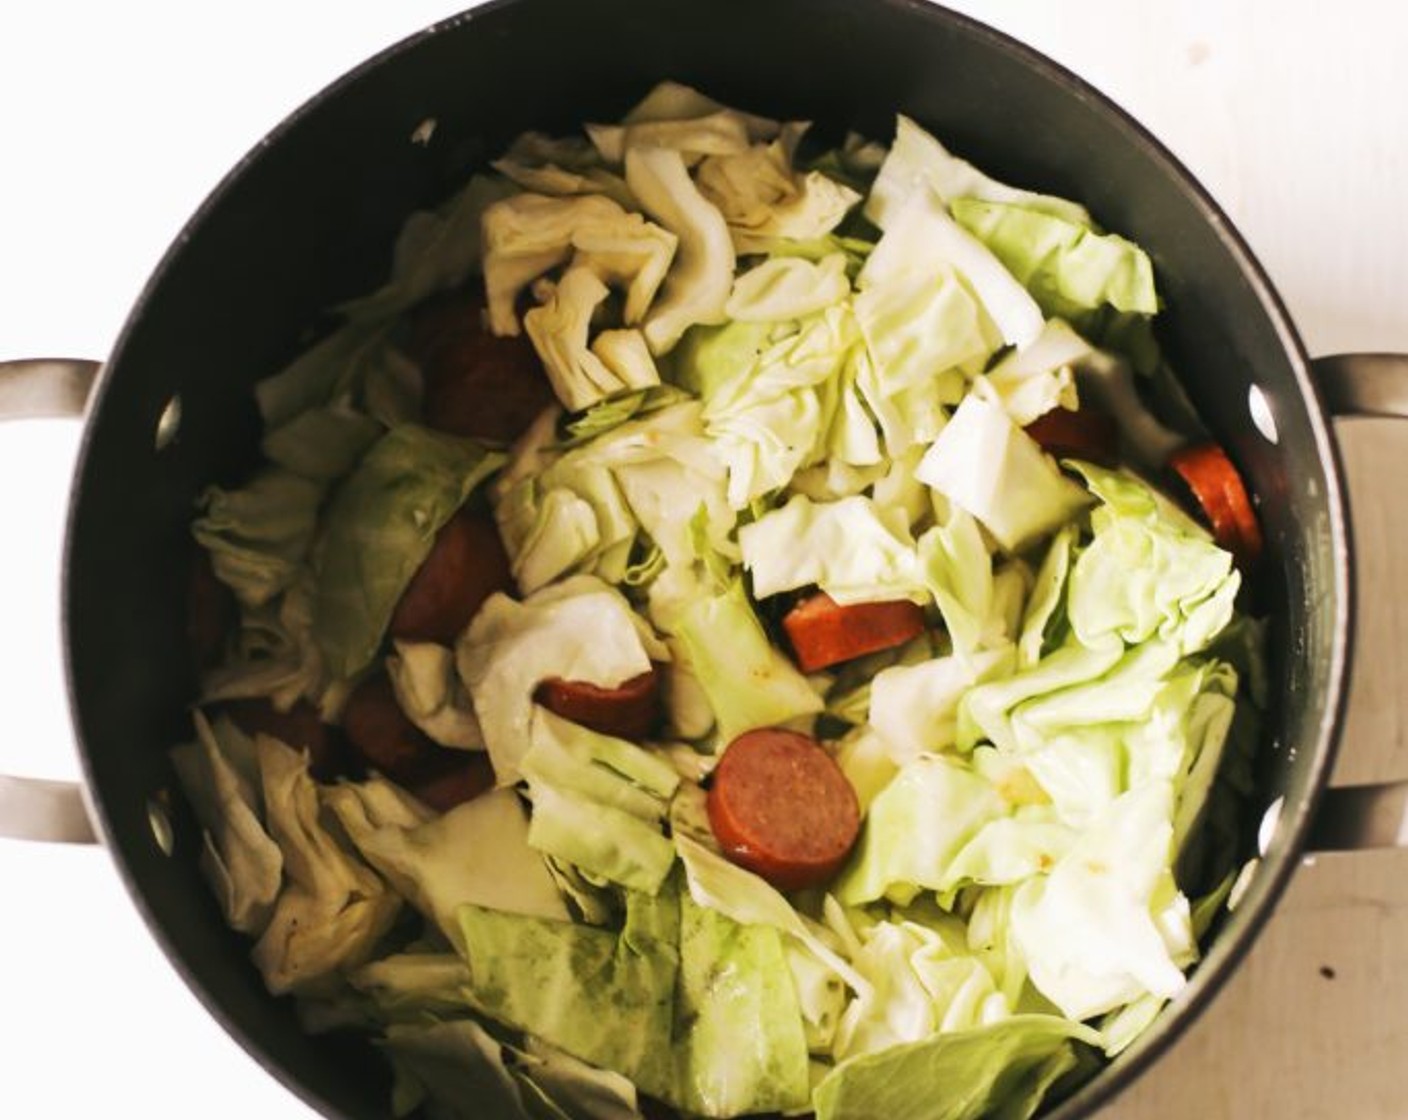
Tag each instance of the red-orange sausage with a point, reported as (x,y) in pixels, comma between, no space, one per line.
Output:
(476,384)
(380,733)
(384,739)
(781,807)
(629,711)
(301,727)
(465,566)
(1217,486)
(1086,433)
(823,632)
(451,778)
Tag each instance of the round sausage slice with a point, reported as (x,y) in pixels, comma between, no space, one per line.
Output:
(781,807)
(465,566)
(476,384)
(823,632)
(301,727)
(629,711)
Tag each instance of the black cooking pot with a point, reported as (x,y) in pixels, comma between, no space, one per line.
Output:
(307,221)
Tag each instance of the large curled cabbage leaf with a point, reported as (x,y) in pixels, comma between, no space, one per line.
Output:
(699,280)
(379,526)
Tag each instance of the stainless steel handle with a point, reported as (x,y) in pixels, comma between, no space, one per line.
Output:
(1366,816)
(36,808)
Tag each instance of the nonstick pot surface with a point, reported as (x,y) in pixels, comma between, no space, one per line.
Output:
(308,220)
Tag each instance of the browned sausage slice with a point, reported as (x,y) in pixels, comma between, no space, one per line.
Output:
(1218,488)
(1083,433)
(465,566)
(824,632)
(476,384)
(629,711)
(451,778)
(301,727)
(384,739)
(781,807)
(381,735)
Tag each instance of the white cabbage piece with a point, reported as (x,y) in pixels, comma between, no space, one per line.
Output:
(598,803)
(722,132)
(274,655)
(717,884)
(476,852)
(559,328)
(1149,571)
(627,356)
(1109,925)
(333,909)
(914,708)
(581,629)
(851,549)
(916,826)
(923,981)
(1020,495)
(559,514)
(779,397)
(765,201)
(258,535)
(428,689)
(567,165)
(701,275)
(673,114)
(923,236)
(528,235)
(749,682)
(1032,380)
(981,605)
(242,863)
(782,288)
(918,161)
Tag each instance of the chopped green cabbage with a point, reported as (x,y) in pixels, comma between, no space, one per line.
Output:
(777,373)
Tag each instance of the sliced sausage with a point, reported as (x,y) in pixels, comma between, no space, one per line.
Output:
(823,632)
(631,710)
(1085,433)
(465,566)
(781,807)
(211,611)
(384,739)
(1218,489)
(476,384)
(380,733)
(450,778)
(301,727)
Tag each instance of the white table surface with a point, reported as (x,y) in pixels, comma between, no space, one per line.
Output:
(117,119)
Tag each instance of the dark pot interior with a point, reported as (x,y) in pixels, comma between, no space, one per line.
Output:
(308,220)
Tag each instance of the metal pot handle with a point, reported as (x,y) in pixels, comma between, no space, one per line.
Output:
(1365,816)
(37,808)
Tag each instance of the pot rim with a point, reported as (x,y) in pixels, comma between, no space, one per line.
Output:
(1277,865)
